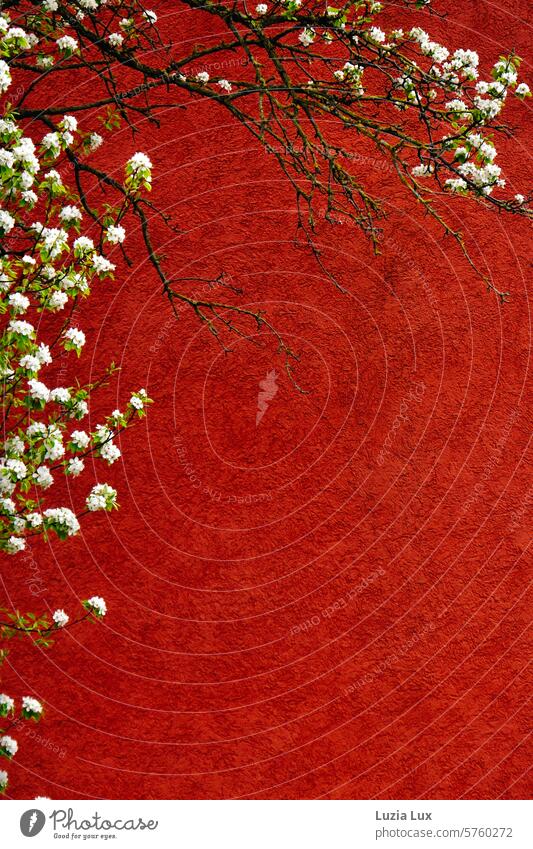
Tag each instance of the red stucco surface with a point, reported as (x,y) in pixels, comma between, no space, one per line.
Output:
(333,602)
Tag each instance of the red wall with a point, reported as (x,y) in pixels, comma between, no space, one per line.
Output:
(242,655)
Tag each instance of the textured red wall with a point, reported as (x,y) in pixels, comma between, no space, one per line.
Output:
(334,602)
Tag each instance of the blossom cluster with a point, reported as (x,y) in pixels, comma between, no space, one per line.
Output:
(447,88)
(30,709)
(466,151)
(440,83)
(63,45)
(51,265)
(41,628)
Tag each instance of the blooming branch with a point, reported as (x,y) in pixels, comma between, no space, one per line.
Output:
(39,630)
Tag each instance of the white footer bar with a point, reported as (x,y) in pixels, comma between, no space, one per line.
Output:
(267,824)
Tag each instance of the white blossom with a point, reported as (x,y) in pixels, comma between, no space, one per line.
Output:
(76,336)
(522,90)
(18,303)
(102,265)
(5,76)
(34,520)
(67,138)
(75,466)
(53,239)
(7,222)
(60,395)
(103,433)
(115,234)
(43,477)
(8,745)
(139,160)
(67,43)
(377,34)
(53,177)
(6,702)
(64,518)
(19,524)
(110,452)
(97,605)
(17,467)
(136,402)
(13,546)
(31,705)
(435,51)
(307,36)
(95,140)
(43,354)
(115,39)
(456,184)
(54,450)
(488,108)
(422,170)
(475,139)
(36,429)
(101,497)
(38,390)
(7,160)
(24,152)
(14,445)
(80,409)
(487,150)
(80,439)
(52,142)
(83,245)
(69,123)
(57,301)
(60,618)
(456,106)
(30,198)
(506,73)
(70,214)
